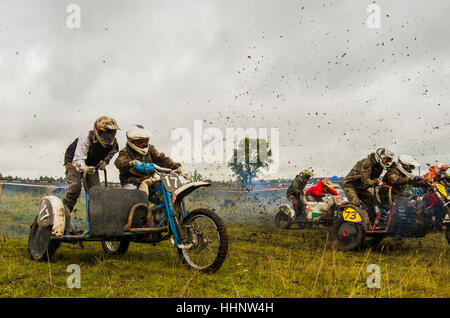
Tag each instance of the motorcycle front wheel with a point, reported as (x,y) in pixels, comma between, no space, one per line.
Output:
(282,221)
(208,238)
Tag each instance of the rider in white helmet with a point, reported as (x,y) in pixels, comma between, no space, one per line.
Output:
(365,175)
(400,175)
(138,149)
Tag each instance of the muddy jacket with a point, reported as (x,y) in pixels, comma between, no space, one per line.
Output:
(128,174)
(297,186)
(87,151)
(364,173)
(398,181)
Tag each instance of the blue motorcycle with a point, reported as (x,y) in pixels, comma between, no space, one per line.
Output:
(151,214)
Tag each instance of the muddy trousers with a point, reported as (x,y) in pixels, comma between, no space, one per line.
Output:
(356,196)
(73,177)
(298,204)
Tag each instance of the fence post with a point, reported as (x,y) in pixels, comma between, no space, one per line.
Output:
(0,191)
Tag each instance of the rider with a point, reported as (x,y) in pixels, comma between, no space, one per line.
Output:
(443,171)
(92,150)
(432,175)
(399,176)
(295,192)
(139,150)
(364,175)
(322,188)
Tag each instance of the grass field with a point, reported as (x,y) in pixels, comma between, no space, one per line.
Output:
(262,262)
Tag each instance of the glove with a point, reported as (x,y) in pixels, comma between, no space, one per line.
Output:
(89,170)
(102,165)
(142,167)
(132,164)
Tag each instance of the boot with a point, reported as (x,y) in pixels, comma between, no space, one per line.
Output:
(68,228)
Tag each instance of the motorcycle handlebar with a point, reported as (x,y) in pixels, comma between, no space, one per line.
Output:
(143,167)
(161,169)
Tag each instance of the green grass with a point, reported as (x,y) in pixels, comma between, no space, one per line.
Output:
(262,262)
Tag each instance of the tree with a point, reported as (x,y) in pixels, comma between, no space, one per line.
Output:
(197,176)
(247,161)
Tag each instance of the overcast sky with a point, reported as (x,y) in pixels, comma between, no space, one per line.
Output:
(335,88)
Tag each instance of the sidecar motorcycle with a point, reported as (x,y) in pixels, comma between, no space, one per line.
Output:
(405,217)
(154,213)
(317,213)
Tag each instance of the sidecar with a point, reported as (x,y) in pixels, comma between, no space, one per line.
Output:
(117,217)
(317,213)
(107,214)
(405,217)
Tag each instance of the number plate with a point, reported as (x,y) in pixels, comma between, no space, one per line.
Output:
(171,181)
(351,215)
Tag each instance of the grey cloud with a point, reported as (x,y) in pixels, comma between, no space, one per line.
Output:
(257,63)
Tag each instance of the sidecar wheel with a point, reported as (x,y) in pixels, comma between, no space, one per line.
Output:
(282,221)
(40,247)
(115,247)
(348,236)
(207,233)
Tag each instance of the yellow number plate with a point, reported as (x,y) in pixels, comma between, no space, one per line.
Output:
(441,189)
(351,215)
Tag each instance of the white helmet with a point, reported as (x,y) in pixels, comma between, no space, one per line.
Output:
(138,138)
(384,157)
(406,164)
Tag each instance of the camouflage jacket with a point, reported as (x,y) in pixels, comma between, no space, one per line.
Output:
(398,181)
(128,174)
(297,186)
(364,173)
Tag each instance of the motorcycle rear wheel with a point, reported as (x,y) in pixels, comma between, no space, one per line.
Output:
(207,233)
(282,221)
